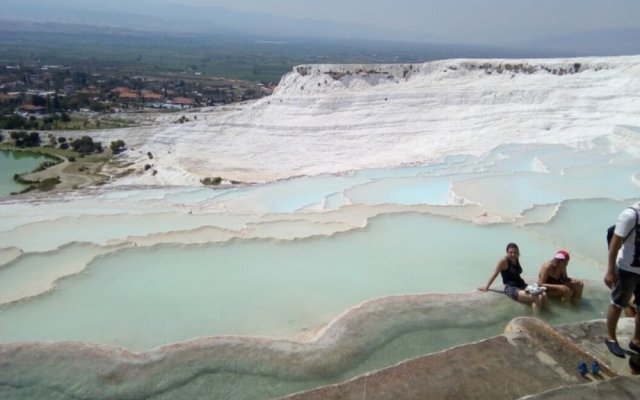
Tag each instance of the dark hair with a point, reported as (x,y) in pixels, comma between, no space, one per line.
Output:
(512,245)
(634,364)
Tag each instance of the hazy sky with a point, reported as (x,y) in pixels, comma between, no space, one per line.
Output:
(456,20)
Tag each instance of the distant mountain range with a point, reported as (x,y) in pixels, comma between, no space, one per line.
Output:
(145,16)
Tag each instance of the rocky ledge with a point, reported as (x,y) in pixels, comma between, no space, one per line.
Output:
(531,360)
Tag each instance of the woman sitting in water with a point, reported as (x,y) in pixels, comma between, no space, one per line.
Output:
(514,286)
(553,276)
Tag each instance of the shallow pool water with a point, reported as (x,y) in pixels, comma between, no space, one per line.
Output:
(266,287)
(16,162)
(314,260)
(140,267)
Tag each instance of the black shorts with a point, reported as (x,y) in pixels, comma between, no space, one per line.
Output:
(512,291)
(627,283)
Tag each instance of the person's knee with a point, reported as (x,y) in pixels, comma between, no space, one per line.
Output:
(620,297)
(615,307)
(542,299)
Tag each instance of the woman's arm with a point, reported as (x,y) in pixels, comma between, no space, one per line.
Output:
(543,275)
(502,264)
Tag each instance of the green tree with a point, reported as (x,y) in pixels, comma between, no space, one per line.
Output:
(84,145)
(39,101)
(117,146)
(34,139)
(13,121)
(56,104)
(24,139)
(49,104)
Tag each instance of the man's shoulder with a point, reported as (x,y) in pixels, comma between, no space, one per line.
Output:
(626,220)
(631,211)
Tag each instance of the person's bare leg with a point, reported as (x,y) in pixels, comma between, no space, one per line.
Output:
(629,311)
(636,332)
(544,299)
(535,308)
(567,295)
(537,302)
(613,315)
(526,298)
(540,300)
(577,288)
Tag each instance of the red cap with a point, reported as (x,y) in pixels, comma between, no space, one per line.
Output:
(562,255)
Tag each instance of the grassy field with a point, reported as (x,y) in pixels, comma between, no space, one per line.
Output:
(44,150)
(83,123)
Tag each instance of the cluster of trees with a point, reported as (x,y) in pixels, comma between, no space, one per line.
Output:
(84,145)
(25,139)
(16,121)
(211,181)
(118,147)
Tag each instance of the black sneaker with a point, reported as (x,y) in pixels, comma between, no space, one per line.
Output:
(614,348)
(634,347)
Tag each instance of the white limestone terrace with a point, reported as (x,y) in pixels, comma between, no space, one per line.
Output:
(322,118)
(337,118)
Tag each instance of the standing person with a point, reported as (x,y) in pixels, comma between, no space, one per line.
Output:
(623,277)
(553,276)
(514,286)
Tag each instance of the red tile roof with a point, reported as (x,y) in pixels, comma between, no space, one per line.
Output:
(128,95)
(152,96)
(184,101)
(32,108)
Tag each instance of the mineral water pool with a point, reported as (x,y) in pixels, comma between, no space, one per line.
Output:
(143,297)
(145,267)
(16,162)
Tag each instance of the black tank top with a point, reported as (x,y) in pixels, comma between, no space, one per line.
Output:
(511,275)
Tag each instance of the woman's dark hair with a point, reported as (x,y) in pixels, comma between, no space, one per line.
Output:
(512,245)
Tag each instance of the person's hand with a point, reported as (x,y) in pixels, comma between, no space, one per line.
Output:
(610,279)
(483,289)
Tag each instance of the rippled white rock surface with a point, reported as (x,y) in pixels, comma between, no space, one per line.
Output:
(336,118)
